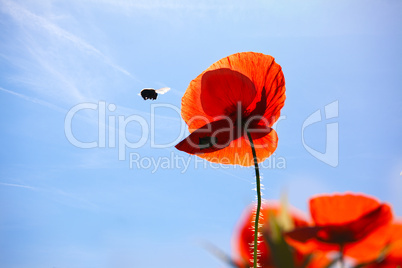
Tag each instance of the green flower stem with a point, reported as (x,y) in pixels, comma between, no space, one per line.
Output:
(258,188)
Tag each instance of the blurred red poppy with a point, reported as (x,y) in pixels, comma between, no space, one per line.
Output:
(242,91)
(244,236)
(341,221)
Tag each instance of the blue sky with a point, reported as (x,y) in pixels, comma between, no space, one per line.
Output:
(64,206)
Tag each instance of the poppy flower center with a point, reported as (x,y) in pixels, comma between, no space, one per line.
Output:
(244,120)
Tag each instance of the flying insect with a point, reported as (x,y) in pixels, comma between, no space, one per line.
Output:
(152,94)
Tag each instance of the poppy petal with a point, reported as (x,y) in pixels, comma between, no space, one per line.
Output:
(370,221)
(319,259)
(340,209)
(272,97)
(259,68)
(341,220)
(357,229)
(239,151)
(223,89)
(310,246)
(304,234)
(209,138)
(395,253)
(373,245)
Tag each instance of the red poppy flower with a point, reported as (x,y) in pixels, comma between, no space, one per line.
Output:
(340,220)
(244,237)
(242,91)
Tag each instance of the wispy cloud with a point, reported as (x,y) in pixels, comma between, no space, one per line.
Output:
(34,100)
(160,4)
(19,186)
(29,19)
(61,196)
(57,64)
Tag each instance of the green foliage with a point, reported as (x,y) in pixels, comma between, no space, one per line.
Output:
(281,252)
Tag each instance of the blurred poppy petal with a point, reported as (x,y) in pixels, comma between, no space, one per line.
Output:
(310,246)
(395,251)
(319,260)
(341,220)
(339,209)
(355,230)
(370,248)
(369,222)
(304,234)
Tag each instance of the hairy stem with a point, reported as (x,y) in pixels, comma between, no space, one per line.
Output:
(258,189)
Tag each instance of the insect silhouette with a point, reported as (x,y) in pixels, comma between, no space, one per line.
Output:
(150,93)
